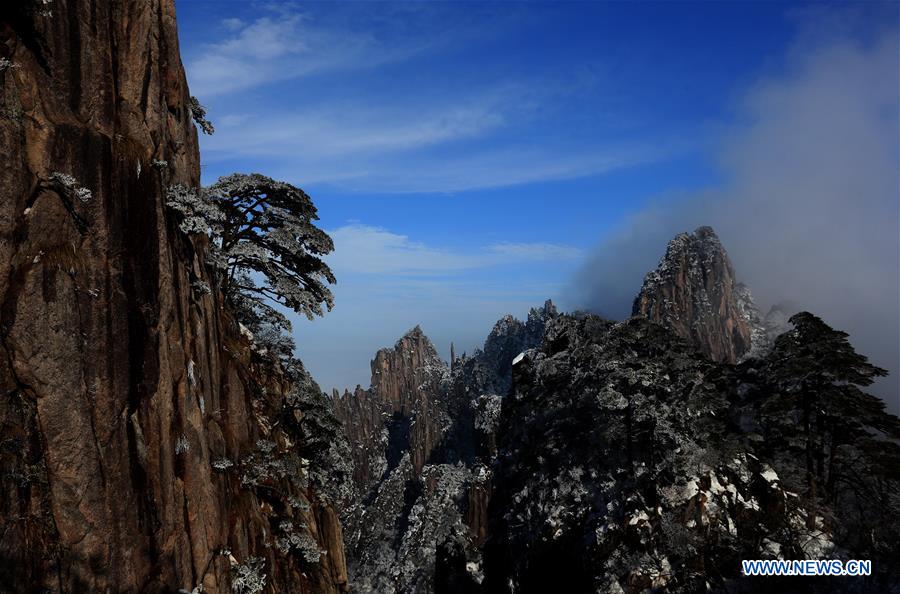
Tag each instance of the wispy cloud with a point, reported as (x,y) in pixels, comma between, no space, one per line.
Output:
(283,45)
(371,250)
(535,251)
(382,147)
(420,136)
(233,24)
(503,167)
(352,130)
(362,249)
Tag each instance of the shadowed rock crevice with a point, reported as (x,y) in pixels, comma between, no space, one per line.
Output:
(398,428)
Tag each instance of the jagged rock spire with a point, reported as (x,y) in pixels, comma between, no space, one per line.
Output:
(694,292)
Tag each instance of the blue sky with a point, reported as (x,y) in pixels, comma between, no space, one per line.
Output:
(470,159)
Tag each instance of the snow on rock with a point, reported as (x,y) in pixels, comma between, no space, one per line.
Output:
(693,291)
(411,430)
(624,478)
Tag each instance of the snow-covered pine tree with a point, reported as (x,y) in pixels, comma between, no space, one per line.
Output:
(268,229)
(816,374)
(266,247)
(816,416)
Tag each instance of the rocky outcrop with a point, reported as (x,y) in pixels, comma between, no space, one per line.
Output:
(507,339)
(620,469)
(693,291)
(402,412)
(393,429)
(760,340)
(132,408)
(423,438)
(408,380)
(362,415)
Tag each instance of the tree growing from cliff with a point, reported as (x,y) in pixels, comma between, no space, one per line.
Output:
(198,114)
(268,233)
(266,246)
(321,436)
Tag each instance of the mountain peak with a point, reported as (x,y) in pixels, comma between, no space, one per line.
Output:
(705,232)
(415,332)
(694,292)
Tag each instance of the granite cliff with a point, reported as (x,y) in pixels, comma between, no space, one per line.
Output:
(142,438)
(423,439)
(694,292)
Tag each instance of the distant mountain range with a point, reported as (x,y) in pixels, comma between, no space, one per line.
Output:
(579,454)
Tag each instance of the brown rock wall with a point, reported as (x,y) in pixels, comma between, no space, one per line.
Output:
(110,363)
(694,292)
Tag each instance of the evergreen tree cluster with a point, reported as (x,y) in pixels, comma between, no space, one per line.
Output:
(630,461)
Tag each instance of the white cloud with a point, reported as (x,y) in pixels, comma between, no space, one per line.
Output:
(362,249)
(380,156)
(421,139)
(351,130)
(501,168)
(281,46)
(382,148)
(232,24)
(371,250)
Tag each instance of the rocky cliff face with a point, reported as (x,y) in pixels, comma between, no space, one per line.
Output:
(693,291)
(423,439)
(363,418)
(507,339)
(393,429)
(403,411)
(408,379)
(138,439)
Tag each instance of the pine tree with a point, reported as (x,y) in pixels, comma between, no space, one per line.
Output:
(269,229)
(815,375)
(266,246)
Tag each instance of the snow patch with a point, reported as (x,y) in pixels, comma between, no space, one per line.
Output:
(769,475)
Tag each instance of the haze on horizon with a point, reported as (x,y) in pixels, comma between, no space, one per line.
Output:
(472,161)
